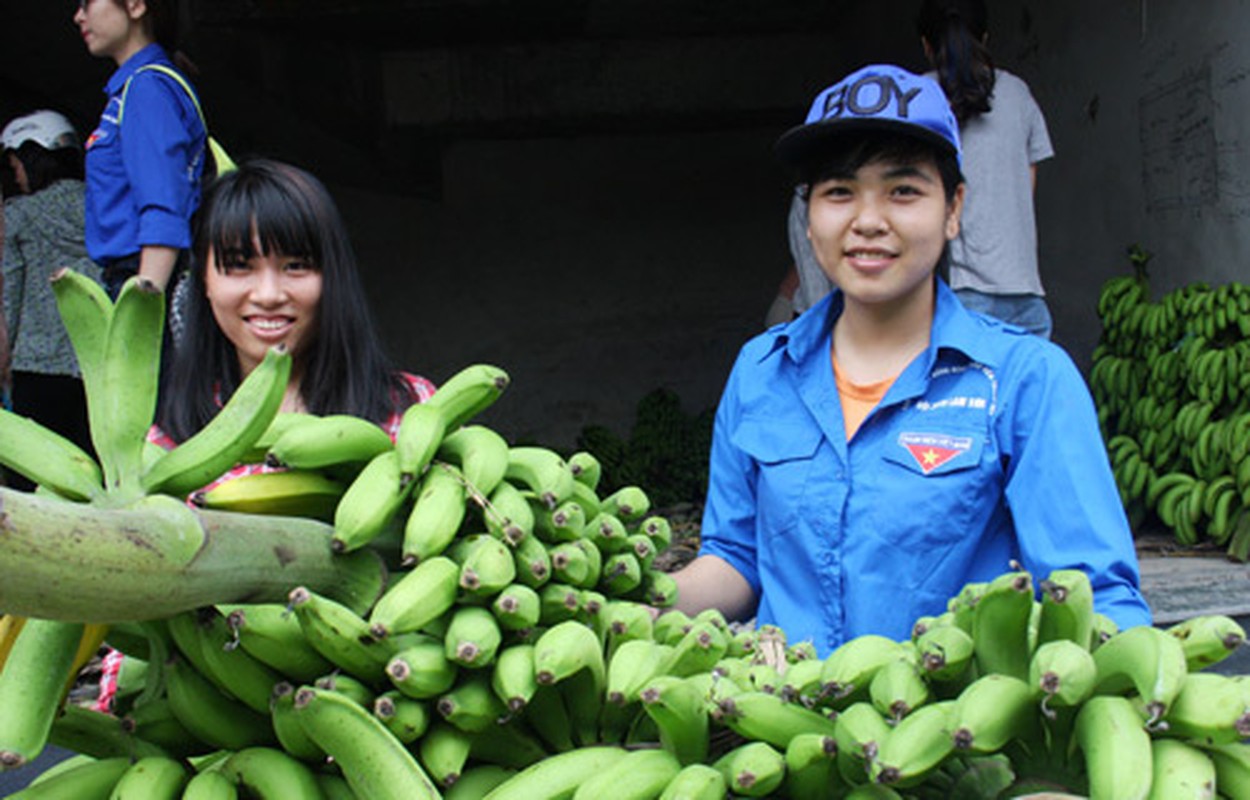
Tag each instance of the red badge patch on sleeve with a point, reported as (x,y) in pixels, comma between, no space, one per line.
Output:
(932,450)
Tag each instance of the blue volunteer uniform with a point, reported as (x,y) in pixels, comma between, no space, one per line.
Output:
(143,174)
(984,450)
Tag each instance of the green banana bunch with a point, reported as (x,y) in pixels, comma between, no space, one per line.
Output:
(436,515)
(340,635)
(375,763)
(541,471)
(287,729)
(859,730)
(767,718)
(416,598)
(210,715)
(274,637)
(812,767)
(220,444)
(849,669)
(917,745)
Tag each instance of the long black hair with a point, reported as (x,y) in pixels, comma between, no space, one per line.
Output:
(344,367)
(955,31)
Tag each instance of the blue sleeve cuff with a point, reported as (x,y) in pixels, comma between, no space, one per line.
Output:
(159,226)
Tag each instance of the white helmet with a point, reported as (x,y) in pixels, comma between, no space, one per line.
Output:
(48,129)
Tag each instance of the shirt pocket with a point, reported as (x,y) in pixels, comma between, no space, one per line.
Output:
(784,454)
(932,484)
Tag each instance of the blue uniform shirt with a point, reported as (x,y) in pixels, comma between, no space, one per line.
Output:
(985,449)
(143,176)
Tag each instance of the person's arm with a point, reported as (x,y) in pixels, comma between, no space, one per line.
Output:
(710,582)
(156,263)
(1033,177)
(1063,498)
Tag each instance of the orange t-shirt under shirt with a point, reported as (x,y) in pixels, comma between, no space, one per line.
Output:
(858,399)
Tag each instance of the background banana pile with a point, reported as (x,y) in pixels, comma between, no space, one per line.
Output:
(1171,381)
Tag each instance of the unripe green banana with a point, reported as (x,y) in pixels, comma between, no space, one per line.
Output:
(86,311)
(417,598)
(849,669)
(230,667)
(565,649)
(547,715)
(801,682)
(477,781)
(512,677)
(375,763)
(473,637)
(677,707)
(1210,709)
(697,650)
(480,453)
(564,523)
(640,775)
(1208,639)
(408,719)
(517,607)
(643,549)
(1232,768)
(32,686)
(992,711)
(329,441)
(945,652)
(421,430)
(812,768)
(154,721)
(754,769)
(350,687)
(587,469)
(151,778)
(288,730)
(472,705)
(557,777)
(768,718)
(287,493)
(671,625)
(422,670)
(270,774)
(607,532)
(560,603)
(633,664)
(696,782)
(897,688)
(1067,607)
(468,393)
(859,730)
(340,635)
(533,563)
(1104,628)
(1144,659)
(962,604)
(919,743)
(210,785)
(371,500)
(1181,771)
(437,513)
(208,714)
(622,573)
(272,635)
(1000,625)
(625,621)
(541,471)
(121,413)
(571,564)
(628,503)
(1116,748)
(508,515)
(1063,673)
(660,530)
(48,459)
(279,425)
(510,744)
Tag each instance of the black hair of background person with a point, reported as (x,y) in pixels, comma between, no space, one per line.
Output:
(957,32)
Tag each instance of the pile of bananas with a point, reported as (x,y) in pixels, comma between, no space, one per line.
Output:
(1171,381)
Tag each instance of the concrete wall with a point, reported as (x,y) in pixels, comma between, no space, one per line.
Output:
(598,250)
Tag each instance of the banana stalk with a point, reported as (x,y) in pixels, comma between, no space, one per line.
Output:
(81,563)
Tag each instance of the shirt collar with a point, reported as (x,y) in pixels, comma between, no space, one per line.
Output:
(954,328)
(150,54)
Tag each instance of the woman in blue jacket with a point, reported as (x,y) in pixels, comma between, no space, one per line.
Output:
(146,157)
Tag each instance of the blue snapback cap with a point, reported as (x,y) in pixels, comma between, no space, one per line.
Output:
(877,97)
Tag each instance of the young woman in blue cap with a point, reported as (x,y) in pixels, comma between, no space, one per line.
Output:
(889,446)
(146,157)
